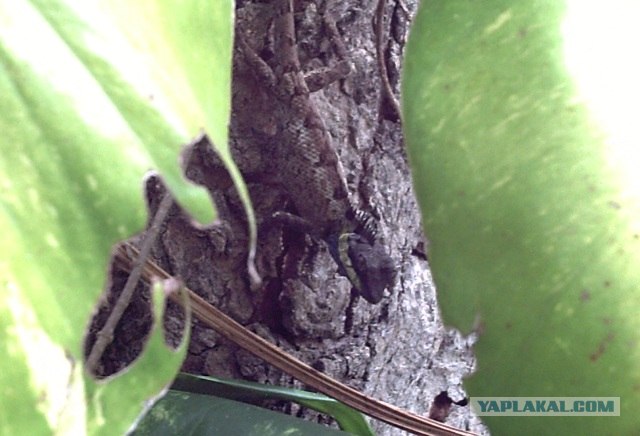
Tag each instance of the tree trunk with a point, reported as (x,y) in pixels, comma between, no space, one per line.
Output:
(398,350)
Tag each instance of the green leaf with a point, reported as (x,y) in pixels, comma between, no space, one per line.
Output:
(92,96)
(117,402)
(347,418)
(521,122)
(195,414)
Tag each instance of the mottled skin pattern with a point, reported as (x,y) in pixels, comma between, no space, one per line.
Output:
(307,162)
(309,165)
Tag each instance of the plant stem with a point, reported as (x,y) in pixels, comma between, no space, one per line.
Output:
(105,336)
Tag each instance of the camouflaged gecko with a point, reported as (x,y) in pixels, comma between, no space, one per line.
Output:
(308,165)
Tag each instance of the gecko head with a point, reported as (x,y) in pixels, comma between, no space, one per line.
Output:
(367,265)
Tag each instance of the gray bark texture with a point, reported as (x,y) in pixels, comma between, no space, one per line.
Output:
(398,350)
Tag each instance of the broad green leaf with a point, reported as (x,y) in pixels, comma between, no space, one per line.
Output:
(521,122)
(348,419)
(182,413)
(93,94)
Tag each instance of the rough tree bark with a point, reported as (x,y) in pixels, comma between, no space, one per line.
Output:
(398,350)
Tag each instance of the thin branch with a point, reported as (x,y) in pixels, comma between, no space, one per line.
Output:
(387,90)
(126,258)
(105,336)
